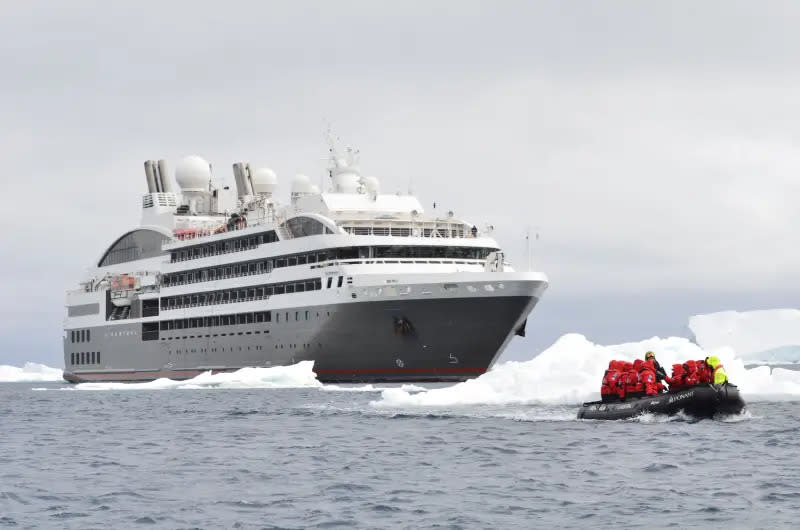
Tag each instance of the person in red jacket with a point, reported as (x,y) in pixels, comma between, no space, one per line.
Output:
(628,381)
(703,375)
(678,375)
(609,390)
(690,377)
(647,375)
(633,384)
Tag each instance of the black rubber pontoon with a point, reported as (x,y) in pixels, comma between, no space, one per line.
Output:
(701,401)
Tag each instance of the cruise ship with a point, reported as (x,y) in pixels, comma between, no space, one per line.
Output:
(368,285)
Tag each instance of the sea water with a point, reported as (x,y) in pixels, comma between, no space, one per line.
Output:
(274,448)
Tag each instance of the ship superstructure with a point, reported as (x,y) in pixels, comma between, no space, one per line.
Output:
(365,284)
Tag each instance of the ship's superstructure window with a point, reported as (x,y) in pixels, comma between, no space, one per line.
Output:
(262,266)
(137,244)
(242,294)
(306,226)
(257,317)
(236,244)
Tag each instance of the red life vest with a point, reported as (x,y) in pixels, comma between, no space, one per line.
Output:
(610,379)
(703,375)
(678,374)
(647,376)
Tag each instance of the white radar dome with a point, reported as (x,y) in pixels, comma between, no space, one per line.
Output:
(301,184)
(264,180)
(193,174)
(371,184)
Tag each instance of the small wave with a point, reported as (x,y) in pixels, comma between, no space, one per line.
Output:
(337,388)
(658,467)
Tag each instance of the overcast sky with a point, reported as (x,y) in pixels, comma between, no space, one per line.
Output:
(653,146)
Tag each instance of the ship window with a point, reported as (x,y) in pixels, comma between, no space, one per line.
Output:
(306,315)
(72,335)
(339,283)
(88,335)
(305,226)
(330,280)
(289,288)
(72,358)
(137,244)
(292,261)
(98,357)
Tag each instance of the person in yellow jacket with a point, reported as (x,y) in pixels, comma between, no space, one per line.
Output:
(718,375)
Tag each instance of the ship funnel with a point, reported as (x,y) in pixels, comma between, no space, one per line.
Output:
(149,172)
(163,174)
(238,175)
(248,179)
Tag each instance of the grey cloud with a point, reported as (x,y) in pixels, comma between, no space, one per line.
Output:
(653,145)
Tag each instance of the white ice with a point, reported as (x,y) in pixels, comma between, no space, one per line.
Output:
(569,373)
(300,375)
(769,336)
(29,373)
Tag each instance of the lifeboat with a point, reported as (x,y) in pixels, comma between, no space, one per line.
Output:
(699,401)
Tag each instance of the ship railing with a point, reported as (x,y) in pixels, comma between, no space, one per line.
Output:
(432,229)
(206,234)
(380,261)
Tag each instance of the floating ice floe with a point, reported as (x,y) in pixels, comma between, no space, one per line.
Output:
(300,375)
(569,372)
(29,373)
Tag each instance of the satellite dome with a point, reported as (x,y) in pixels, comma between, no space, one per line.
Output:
(301,184)
(371,184)
(193,174)
(264,180)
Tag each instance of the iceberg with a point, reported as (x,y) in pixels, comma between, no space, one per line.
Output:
(300,375)
(29,373)
(569,373)
(759,337)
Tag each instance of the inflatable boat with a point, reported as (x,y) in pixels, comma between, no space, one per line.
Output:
(700,401)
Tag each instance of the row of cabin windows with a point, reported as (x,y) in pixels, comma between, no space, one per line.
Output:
(265,266)
(85,357)
(244,294)
(80,335)
(262,266)
(236,244)
(257,317)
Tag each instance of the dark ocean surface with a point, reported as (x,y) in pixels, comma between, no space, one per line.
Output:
(316,458)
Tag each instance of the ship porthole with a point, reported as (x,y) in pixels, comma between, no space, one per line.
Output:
(399,363)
